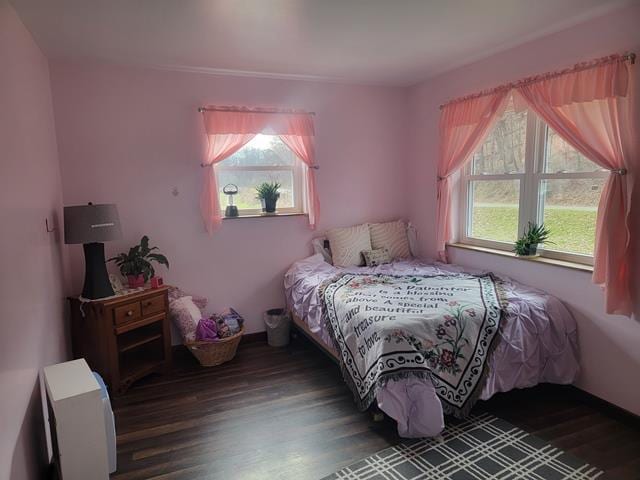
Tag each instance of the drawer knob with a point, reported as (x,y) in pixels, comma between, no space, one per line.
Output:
(130,313)
(148,304)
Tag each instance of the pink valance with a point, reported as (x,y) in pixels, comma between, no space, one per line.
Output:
(229,130)
(596,82)
(219,121)
(589,106)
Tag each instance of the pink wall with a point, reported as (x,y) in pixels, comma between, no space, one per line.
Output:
(130,135)
(609,344)
(31,294)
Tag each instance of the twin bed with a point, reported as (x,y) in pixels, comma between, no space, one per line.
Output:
(422,340)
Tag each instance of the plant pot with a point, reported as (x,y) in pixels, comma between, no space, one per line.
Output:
(270,205)
(135,281)
(530,251)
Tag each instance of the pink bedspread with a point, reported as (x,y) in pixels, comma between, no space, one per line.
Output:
(537,341)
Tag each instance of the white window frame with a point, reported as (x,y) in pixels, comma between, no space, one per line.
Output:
(297,172)
(530,208)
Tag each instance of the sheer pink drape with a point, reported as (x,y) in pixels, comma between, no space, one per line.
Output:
(463,127)
(221,146)
(300,138)
(590,109)
(229,130)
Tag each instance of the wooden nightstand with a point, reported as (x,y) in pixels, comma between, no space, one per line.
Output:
(123,338)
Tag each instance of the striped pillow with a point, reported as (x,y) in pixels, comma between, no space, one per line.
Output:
(392,236)
(347,245)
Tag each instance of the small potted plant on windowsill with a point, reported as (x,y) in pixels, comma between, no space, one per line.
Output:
(268,195)
(527,245)
(136,265)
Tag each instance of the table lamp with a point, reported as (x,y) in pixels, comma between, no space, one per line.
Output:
(92,225)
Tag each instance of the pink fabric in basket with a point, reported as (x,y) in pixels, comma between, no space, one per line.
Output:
(207,329)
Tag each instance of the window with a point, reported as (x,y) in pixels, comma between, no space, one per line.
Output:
(265,158)
(524,172)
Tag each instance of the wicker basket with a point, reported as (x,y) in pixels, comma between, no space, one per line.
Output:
(216,352)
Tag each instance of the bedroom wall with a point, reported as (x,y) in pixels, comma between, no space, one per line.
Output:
(608,344)
(131,135)
(32,285)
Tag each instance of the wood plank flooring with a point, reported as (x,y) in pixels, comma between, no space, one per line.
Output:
(286,414)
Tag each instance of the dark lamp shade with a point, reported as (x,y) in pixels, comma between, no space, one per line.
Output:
(91,224)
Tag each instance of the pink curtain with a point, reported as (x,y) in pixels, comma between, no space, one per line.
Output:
(221,146)
(590,109)
(300,138)
(229,130)
(463,127)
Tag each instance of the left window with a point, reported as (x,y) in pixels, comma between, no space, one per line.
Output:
(266,158)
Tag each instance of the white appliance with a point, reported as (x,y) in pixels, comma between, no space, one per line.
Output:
(79,417)
(109,423)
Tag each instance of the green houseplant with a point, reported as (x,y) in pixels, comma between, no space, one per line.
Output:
(136,264)
(268,194)
(527,244)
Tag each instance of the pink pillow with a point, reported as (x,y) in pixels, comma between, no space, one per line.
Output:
(186,315)
(175,293)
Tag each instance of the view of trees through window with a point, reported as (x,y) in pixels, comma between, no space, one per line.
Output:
(570,204)
(566,186)
(265,158)
(495,202)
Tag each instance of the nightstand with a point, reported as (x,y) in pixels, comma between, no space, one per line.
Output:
(123,338)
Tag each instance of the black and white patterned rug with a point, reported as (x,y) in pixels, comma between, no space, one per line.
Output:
(479,447)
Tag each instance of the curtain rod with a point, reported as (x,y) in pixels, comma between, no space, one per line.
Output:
(248,110)
(630,57)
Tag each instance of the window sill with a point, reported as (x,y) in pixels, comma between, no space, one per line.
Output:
(258,215)
(549,261)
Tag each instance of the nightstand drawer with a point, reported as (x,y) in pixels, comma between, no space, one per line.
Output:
(126,313)
(152,305)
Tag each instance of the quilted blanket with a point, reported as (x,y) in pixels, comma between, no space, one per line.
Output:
(439,327)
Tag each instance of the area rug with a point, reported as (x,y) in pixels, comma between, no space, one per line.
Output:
(479,447)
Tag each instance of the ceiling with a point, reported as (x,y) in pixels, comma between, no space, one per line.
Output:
(392,42)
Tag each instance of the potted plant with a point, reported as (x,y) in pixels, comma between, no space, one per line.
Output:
(527,245)
(136,265)
(268,194)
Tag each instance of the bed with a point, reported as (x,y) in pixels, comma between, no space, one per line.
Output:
(536,341)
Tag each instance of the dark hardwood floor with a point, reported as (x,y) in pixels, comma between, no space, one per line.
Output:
(286,414)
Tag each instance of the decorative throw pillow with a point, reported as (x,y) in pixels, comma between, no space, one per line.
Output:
(392,236)
(373,258)
(175,293)
(186,315)
(347,245)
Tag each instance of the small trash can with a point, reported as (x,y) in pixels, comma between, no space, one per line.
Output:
(278,324)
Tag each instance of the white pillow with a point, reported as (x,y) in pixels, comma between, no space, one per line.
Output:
(186,315)
(392,236)
(318,247)
(347,245)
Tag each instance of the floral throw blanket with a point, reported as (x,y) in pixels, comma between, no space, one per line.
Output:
(389,327)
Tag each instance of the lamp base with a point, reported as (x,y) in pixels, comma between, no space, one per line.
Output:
(96,278)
